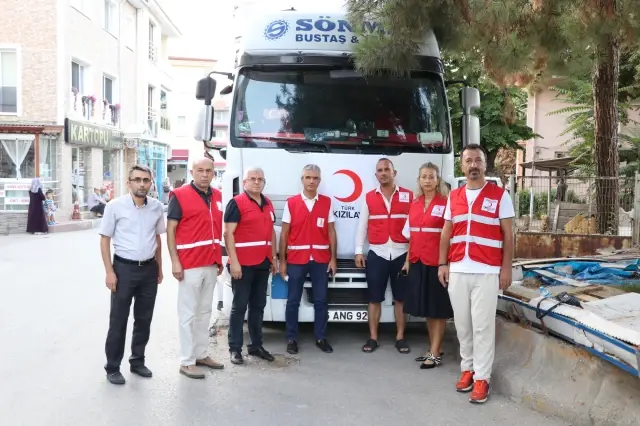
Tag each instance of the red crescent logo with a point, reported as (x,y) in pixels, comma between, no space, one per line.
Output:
(357,186)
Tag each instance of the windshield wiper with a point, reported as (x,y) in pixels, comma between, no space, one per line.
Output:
(274,139)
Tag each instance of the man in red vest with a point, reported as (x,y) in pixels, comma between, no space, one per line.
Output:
(251,244)
(308,247)
(476,251)
(194,230)
(382,219)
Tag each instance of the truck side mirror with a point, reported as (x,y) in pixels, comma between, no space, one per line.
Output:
(469,122)
(206,90)
(470,130)
(204,124)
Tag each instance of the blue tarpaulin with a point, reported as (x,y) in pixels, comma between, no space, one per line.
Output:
(592,272)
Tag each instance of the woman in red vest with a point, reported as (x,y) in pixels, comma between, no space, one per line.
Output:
(425,296)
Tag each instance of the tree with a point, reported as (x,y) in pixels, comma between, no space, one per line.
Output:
(578,92)
(503,116)
(520,43)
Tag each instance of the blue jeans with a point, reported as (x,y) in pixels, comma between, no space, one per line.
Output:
(319,285)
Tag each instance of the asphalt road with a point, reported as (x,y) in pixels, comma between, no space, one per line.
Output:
(53,321)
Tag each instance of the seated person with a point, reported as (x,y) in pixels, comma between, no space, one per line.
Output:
(96,202)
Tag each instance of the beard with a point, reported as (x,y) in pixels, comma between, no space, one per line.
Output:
(140,192)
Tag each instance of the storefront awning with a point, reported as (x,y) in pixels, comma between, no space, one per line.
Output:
(179,155)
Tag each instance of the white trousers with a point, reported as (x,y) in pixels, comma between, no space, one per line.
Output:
(474,298)
(195,299)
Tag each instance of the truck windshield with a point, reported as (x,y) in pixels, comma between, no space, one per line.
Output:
(339,110)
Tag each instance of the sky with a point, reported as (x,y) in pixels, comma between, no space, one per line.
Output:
(207,25)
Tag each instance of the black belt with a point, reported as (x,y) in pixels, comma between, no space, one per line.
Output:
(133,262)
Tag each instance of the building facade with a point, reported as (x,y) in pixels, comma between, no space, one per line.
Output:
(551,144)
(187,71)
(82,103)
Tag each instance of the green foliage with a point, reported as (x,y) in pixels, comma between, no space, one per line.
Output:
(496,130)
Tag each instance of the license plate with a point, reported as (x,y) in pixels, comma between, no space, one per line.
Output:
(348,315)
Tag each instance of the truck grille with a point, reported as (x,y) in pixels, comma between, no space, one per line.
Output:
(343,296)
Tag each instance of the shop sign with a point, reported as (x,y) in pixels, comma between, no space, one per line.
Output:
(16,201)
(88,134)
(17,186)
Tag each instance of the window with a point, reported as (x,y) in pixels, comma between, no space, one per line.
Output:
(382,114)
(107,89)
(182,124)
(221,116)
(9,81)
(111,16)
(220,134)
(130,30)
(560,154)
(153,51)
(150,96)
(77,77)
(48,158)
(17,156)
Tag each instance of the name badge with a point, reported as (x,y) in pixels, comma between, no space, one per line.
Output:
(219,204)
(403,197)
(489,205)
(273,217)
(320,222)
(437,211)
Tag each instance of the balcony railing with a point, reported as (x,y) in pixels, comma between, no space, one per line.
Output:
(152,121)
(153,52)
(88,108)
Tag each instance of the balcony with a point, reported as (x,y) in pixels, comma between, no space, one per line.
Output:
(153,53)
(88,108)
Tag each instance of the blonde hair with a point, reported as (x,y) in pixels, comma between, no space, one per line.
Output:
(441,187)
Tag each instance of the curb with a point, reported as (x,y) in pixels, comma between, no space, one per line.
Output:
(553,377)
(79,225)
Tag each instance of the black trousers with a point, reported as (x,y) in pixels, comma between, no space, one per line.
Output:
(98,208)
(138,283)
(249,291)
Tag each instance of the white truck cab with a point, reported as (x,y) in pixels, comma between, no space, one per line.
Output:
(297,100)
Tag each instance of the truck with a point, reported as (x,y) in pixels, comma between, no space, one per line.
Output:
(297,99)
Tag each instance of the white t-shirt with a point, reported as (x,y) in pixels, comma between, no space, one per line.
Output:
(466,265)
(309,202)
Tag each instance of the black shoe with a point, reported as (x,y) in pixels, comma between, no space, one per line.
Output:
(116,378)
(236,358)
(292,347)
(261,353)
(141,371)
(324,346)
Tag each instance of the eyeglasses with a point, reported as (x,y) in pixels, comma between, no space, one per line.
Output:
(138,180)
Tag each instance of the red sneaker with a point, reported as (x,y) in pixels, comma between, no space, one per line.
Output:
(465,384)
(480,392)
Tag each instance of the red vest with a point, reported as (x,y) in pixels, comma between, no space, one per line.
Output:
(385,224)
(425,227)
(308,231)
(199,231)
(479,228)
(254,231)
